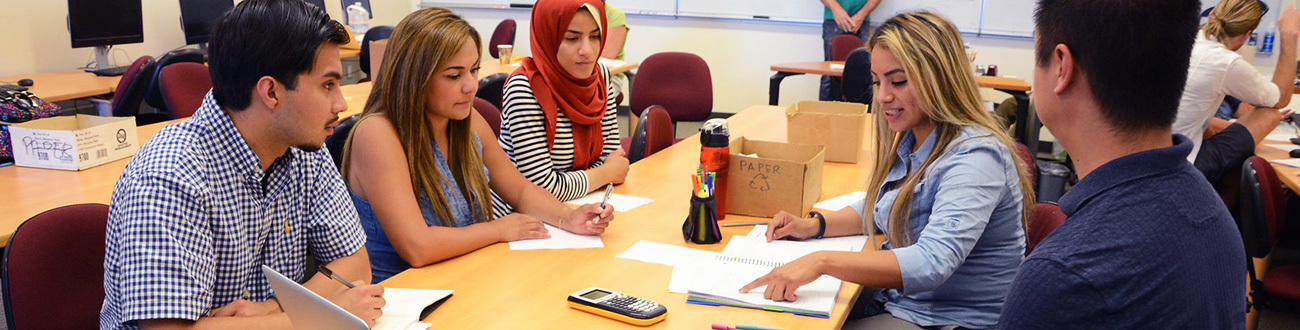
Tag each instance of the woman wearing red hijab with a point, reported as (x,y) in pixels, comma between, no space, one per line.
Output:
(558,124)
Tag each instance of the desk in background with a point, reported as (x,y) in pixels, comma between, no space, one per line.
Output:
(1025,133)
(30,191)
(493,66)
(66,85)
(497,288)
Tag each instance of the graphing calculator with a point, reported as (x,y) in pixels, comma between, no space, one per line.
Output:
(618,306)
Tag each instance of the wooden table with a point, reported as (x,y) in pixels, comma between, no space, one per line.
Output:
(1019,89)
(1289,176)
(501,289)
(66,85)
(30,191)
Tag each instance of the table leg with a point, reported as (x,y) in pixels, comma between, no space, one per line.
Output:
(1027,123)
(774,86)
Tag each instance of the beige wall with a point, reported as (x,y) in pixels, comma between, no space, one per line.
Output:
(35,35)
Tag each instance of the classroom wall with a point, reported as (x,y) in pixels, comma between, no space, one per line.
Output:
(36,39)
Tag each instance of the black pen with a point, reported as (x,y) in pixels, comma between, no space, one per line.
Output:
(329,273)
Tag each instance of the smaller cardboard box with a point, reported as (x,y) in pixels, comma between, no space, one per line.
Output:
(73,142)
(836,125)
(779,177)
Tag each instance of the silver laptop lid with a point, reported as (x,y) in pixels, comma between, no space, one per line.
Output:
(306,309)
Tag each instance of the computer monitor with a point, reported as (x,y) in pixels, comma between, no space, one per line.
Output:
(199,16)
(102,23)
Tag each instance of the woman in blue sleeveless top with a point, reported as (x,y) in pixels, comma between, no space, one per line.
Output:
(420,177)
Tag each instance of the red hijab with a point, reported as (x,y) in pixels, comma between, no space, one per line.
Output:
(581,100)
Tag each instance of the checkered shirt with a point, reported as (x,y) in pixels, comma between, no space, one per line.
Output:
(192,222)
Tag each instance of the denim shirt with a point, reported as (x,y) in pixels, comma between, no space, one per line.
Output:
(965,227)
(384,260)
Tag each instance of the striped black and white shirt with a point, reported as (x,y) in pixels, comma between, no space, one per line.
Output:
(523,137)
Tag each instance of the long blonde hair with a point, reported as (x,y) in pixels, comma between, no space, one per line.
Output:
(930,49)
(1232,18)
(421,44)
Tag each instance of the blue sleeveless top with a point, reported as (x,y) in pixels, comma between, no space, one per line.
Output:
(384,260)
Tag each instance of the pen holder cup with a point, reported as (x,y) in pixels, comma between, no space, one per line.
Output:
(701,226)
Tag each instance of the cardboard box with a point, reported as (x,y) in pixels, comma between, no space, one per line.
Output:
(73,142)
(783,177)
(836,125)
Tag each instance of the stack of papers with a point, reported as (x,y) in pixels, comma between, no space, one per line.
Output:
(744,260)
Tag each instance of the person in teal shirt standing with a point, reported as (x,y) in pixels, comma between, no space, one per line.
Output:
(842,17)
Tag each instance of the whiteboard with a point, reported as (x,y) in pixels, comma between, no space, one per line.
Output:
(776,10)
(475,3)
(965,14)
(1009,17)
(646,7)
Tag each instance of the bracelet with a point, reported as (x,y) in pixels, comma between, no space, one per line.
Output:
(821,224)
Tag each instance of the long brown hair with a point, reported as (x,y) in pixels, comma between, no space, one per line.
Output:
(930,49)
(421,44)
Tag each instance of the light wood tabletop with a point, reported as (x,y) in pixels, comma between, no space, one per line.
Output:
(65,85)
(491,66)
(496,288)
(1289,176)
(30,191)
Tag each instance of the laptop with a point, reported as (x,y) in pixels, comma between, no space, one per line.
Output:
(306,309)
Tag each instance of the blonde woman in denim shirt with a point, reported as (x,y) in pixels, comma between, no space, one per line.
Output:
(948,191)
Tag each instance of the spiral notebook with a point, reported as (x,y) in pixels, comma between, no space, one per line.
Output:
(745,259)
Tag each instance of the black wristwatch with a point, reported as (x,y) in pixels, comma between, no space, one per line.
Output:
(821,223)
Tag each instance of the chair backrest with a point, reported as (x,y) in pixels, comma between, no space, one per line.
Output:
(184,85)
(154,95)
(336,141)
(131,89)
(490,113)
(380,32)
(856,81)
(1261,206)
(1028,164)
(53,275)
(1047,216)
(842,44)
(492,88)
(680,82)
(654,132)
(503,35)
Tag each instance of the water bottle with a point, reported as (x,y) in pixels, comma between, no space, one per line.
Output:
(1267,47)
(358,19)
(714,152)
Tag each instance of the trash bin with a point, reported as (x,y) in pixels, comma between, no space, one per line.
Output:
(1051,180)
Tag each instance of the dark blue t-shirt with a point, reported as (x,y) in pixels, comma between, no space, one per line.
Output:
(1146,244)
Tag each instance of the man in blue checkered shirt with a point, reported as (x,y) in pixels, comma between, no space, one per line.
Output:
(241,184)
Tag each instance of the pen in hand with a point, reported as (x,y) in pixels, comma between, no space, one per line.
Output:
(609,188)
(329,273)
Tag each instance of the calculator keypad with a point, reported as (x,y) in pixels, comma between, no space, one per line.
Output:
(639,307)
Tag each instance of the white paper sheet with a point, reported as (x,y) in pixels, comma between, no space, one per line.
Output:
(559,239)
(837,66)
(1282,146)
(840,202)
(420,326)
(403,306)
(857,242)
(621,203)
(1284,137)
(664,254)
(1293,162)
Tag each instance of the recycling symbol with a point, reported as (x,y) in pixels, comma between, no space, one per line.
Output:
(760,183)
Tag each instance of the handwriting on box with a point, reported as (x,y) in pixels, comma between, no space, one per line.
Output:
(43,148)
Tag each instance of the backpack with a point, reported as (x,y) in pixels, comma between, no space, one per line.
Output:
(17,105)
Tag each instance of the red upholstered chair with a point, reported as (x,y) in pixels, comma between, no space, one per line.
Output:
(842,44)
(1028,158)
(53,272)
(184,85)
(373,34)
(503,35)
(1261,211)
(680,82)
(124,86)
(655,131)
(1047,216)
(492,88)
(489,113)
(131,90)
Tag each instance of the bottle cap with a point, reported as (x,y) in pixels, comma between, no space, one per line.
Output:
(714,133)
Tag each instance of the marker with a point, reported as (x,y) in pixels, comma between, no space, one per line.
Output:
(722,327)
